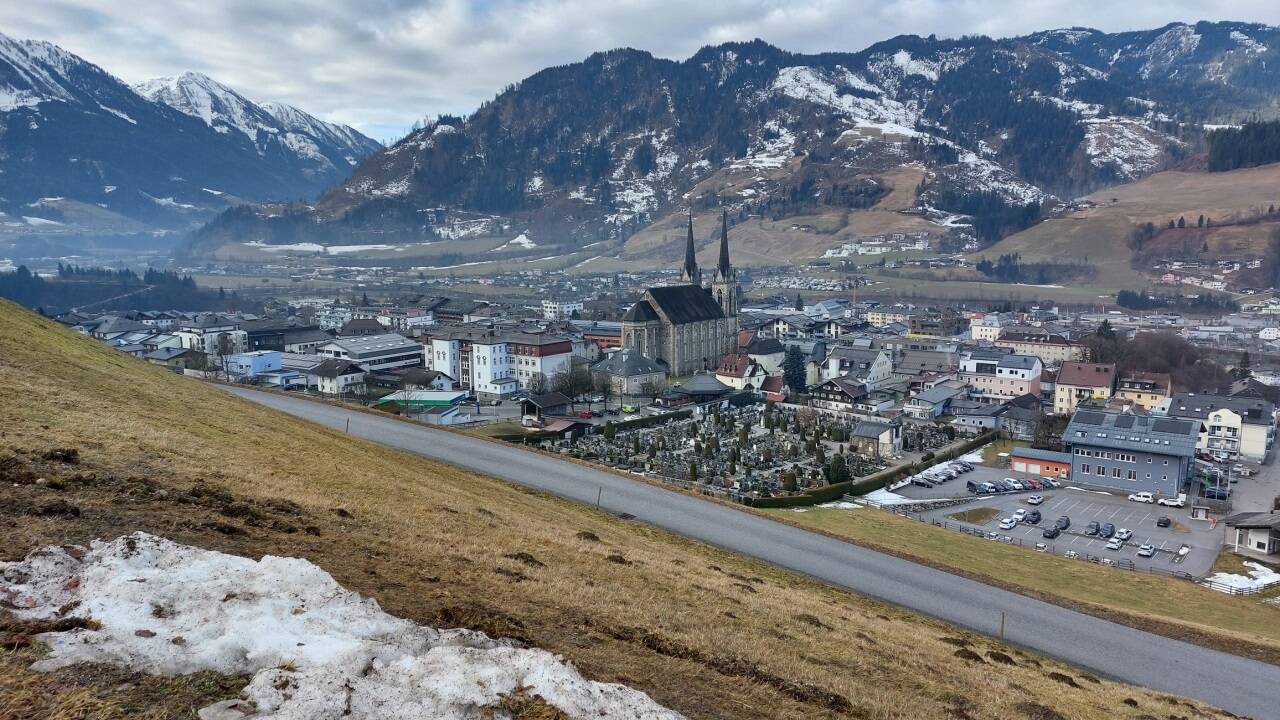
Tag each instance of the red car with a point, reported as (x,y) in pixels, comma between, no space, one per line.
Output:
(584,414)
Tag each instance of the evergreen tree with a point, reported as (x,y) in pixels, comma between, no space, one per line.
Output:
(1242,370)
(799,306)
(793,369)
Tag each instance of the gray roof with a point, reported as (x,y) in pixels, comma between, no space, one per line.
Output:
(1254,411)
(867,429)
(1038,454)
(685,303)
(1255,520)
(1125,431)
(334,367)
(702,384)
(1018,362)
(167,353)
(938,393)
(626,363)
(359,347)
(640,312)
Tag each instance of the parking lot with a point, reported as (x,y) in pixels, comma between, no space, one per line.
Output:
(1082,507)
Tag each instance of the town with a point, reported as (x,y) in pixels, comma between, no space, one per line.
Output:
(776,401)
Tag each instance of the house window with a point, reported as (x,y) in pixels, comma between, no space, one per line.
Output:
(1133,474)
(1084,468)
(1115,473)
(1102,472)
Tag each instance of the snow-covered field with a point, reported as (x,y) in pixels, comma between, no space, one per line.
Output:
(315,650)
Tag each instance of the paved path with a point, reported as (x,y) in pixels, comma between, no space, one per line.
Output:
(1240,685)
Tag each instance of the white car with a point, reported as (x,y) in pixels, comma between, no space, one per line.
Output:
(1071,554)
(1016,485)
(1008,523)
(1123,534)
(1035,499)
(1115,544)
(1142,497)
(1041,547)
(1020,514)
(1179,501)
(1146,550)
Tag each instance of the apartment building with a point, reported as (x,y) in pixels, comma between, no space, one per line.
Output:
(1082,381)
(998,376)
(1231,427)
(1051,348)
(494,362)
(1144,390)
(1131,453)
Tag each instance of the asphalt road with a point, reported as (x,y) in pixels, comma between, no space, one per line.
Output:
(1240,685)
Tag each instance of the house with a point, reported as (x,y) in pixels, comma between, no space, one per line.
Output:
(212,335)
(881,316)
(361,327)
(337,377)
(302,340)
(773,389)
(768,353)
(1021,421)
(386,351)
(179,357)
(944,323)
(1255,532)
(740,372)
(1040,462)
(631,373)
(1143,389)
(252,364)
(975,417)
(912,364)
(494,362)
(987,326)
(838,394)
(933,403)
(1131,453)
(790,327)
(876,439)
(815,358)
(1231,427)
(561,309)
(997,376)
(1082,381)
(872,368)
(423,379)
(1051,348)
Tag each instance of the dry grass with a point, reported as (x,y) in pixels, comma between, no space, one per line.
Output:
(706,632)
(977,516)
(1166,605)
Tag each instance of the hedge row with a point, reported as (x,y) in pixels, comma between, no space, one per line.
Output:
(871,483)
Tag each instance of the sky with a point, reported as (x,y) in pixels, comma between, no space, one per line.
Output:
(381,65)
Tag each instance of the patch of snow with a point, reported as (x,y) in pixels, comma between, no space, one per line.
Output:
(520,241)
(40,221)
(535,184)
(584,262)
(118,114)
(1171,46)
(1127,145)
(213,192)
(830,90)
(884,497)
(169,202)
(314,649)
(341,249)
(912,66)
(108,188)
(1251,46)
(295,247)
(841,505)
(1259,576)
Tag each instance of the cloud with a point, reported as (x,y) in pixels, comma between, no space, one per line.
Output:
(381,64)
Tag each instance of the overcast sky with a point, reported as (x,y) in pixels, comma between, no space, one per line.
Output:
(379,65)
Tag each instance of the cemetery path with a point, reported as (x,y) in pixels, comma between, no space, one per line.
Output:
(1237,684)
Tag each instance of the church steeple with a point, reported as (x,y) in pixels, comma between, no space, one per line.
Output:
(723,268)
(690,273)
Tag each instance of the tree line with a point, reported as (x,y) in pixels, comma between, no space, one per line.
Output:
(1250,145)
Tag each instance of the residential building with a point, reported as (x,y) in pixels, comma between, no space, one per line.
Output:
(936,323)
(1232,427)
(881,316)
(1131,453)
(865,366)
(375,352)
(974,417)
(212,335)
(876,439)
(1082,381)
(252,364)
(986,327)
(495,362)
(333,317)
(1143,389)
(1254,533)
(768,353)
(998,376)
(561,309)
(740,372)
(1051,348)
(933,403)
(838,394)
(337,377)
(362,327)
(631,373)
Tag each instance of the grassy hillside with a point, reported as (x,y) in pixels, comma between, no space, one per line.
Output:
(1100,233)
(708,633)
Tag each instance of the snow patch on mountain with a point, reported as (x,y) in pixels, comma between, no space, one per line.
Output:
(1249,45)
(830,90)
(1128,146)
(1168,48)
(914,66)
(313,648)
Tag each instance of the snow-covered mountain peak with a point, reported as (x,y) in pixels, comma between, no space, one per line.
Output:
(199,95)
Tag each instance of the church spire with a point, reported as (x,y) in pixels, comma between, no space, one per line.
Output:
(690,274)
(724,267)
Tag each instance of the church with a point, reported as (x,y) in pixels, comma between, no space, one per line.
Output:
(688,327)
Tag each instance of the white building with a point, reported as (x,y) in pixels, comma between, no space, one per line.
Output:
(375,352)
(494,362)
(212,336)
(560,309)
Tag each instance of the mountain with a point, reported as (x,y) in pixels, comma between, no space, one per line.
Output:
(81,151)
(321,152)
(610,148)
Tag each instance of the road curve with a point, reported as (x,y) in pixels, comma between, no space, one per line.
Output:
(1240,685)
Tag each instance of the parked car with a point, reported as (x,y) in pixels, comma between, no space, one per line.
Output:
(988,488)
(1240,470)
(1041,547)
(1115,544)
(1050,482)
(1014,483)
(1179,501)
(1062,523)
(1146,550)
(1213,493)
(628,409)
(1142,497)
(1008,523)
(1093,528)
(584,414)
(1051,532)
(1035,499)
(1124,534)
(1107,531)
(1033,484)
(967,466)
(1163,521)
(971,486)
(1020,514)
(1033,517)
(1071,554)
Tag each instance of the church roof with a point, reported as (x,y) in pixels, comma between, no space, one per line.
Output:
(685,303)
(640,312)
